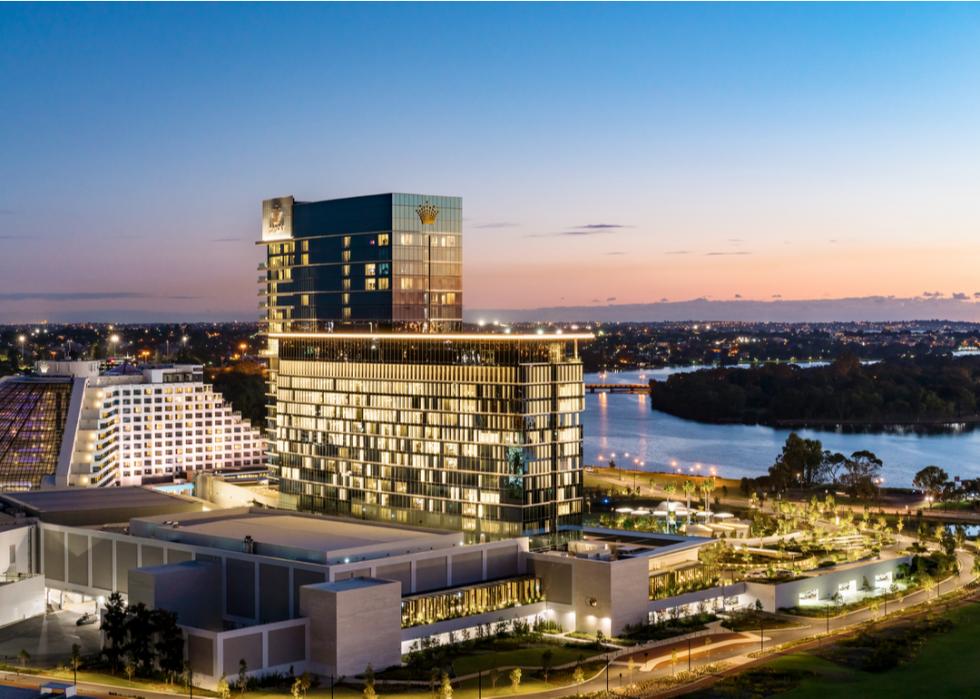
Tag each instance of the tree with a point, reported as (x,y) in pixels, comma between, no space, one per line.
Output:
(707,488)
(223,690)
(369,692)
(305,682)
(546,658)
(670,489)
(130,670)
(862,473)
(831,465)
(242,676)
(76,660)
(114,629)
(801,462)
(578,676)
(170,643)
(445,687)
(296,689)
(515,679)
(139,634)
(932,481)
(689,489)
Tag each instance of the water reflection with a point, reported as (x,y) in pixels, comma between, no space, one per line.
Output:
(625,423)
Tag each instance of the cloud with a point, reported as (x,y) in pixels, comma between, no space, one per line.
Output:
(960,296)
(725,254)
(610,299)
(583,230)
(226,240)
(738,296)
(734,240)
(678,252)
(71,295)
(976,294)
(664,300)
(615,252)
(183,298)
(832,241)
(497,224)
(777,296)
(932,294)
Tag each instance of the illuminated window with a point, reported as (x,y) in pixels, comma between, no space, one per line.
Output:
(346,298)
(406,282)
(346,270)
(382,283)
(346,256)
(370,284)
(346,241)
(304,300)
(346,312)
(346,284)
(383,239)
(369,269)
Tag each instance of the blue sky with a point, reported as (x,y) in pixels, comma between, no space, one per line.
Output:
(753,151)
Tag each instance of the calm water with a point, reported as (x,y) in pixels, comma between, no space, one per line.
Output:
(625,423)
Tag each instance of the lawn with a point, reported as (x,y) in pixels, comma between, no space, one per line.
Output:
(485,657)
(947,665)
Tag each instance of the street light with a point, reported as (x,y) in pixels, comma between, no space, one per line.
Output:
(21,339)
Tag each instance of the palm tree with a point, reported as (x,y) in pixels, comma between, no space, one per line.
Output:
(689,489)
(670,489)
(707,488)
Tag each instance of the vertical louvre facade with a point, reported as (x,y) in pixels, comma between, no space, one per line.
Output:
(479,433)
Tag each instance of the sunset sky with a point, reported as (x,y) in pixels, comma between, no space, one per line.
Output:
(605,154)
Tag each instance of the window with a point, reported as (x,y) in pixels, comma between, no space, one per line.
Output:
(346,241)
(370,284)
(406,282)
(304,300)
(369,269)
(382,283)
(384,269)
(346,270)
(346,299)
(383,239)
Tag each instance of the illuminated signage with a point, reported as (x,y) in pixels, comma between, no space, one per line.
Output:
(277,219)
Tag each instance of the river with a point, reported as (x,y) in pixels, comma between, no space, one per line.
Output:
(624,423)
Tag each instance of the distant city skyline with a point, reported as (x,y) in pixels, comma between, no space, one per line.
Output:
(768,159)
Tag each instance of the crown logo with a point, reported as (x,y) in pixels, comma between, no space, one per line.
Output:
(427,213)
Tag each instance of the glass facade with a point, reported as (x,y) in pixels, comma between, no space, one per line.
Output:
(33,413)
(474,433)
(383,260)
(467,601)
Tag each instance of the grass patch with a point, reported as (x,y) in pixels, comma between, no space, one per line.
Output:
(751,620)
(936,664)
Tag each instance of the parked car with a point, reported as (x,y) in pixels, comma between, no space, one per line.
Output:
(85,619)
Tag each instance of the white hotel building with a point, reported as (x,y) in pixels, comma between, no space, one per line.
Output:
(148,424)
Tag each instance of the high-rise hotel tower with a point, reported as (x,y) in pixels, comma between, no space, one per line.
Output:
(381,407)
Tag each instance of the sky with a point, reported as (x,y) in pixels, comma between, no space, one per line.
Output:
(606,154)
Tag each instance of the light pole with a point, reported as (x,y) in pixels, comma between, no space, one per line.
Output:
(113,343)
(23,357)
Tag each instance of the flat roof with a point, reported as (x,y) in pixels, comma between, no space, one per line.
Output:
(89,506)
(301,532)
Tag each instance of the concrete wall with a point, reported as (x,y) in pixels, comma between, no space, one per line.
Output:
(266,648)
(824,586)
(227,495)
(21,599)
(603,595)
(252,589)
(190,589)
(353,623)
(15,550)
